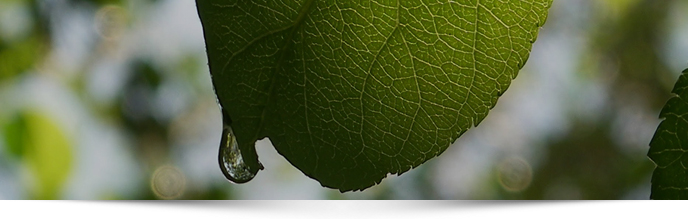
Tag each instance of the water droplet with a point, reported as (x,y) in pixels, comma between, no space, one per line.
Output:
(231,161)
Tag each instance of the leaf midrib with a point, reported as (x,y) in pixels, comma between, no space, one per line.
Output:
(369,74)
(308,5)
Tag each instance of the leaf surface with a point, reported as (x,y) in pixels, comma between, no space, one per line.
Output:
(669,146)
(350,91)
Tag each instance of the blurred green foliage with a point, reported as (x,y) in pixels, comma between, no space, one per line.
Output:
(592,159)
(45,149)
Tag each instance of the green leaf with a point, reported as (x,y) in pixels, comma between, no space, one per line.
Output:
(44,148)
(14,133)
(669,146)
(350,91)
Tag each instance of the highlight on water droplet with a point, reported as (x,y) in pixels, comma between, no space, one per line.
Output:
(231,162)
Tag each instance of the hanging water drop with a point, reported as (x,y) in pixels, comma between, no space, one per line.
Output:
(231,161)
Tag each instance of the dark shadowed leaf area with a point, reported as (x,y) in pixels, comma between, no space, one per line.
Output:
(669,146)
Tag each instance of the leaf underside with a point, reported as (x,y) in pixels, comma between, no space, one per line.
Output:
(351,91)
(669,146)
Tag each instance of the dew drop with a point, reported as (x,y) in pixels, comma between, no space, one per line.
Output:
(231,161)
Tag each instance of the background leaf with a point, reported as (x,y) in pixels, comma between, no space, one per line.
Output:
(349,92)
(44,148)
(668,147)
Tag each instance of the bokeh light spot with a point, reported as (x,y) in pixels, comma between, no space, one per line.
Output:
(514,174)
(168,182)
(110,22)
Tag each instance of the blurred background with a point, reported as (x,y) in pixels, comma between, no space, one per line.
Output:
(112,99)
